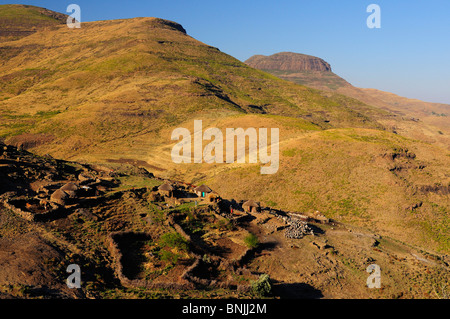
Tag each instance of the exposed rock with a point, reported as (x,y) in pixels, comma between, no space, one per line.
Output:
(437,189)
(297,229)
(288,61)
(166,24)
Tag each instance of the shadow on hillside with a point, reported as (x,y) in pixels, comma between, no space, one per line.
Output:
(268,246)
(317,230)
(296,291)
(131,246)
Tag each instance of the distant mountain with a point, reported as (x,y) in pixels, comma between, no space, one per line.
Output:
(288,61)
(96,89)
(314,72)
(113,92)
(299,68)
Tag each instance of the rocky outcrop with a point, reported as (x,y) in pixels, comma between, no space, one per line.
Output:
(165,24)
(437,189)
(288,61)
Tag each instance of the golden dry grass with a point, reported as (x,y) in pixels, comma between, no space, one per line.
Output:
(117,89)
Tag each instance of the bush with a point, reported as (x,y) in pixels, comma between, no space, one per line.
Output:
(224,224)
(174,240)
(251,241)
(169,256)
(262,286)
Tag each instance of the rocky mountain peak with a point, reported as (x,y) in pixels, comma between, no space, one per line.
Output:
(289,61)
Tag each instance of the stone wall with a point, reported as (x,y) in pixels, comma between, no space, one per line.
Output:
(30,216)
(139,283)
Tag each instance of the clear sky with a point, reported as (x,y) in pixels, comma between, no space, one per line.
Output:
(409,55)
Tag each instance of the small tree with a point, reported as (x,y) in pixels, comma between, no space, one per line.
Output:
(262,286)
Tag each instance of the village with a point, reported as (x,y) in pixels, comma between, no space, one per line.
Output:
(134,234)
(216,234)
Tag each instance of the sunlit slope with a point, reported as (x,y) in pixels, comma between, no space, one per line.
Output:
(110,82)
(381,181)
(413,118)
(113,91)
(392,185)
(18,21)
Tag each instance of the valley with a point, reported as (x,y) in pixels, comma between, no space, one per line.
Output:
(87,118)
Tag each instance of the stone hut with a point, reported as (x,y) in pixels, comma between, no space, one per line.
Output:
(166,190)
(251,206)
(85,178)
(70,189)
(213,197)
(60,197)
(202,190)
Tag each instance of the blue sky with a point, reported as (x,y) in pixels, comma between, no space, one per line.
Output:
(409,55)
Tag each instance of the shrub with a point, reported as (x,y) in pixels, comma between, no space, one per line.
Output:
(168,256)
(251,241)
(173,240)
(225,224)
(262,286)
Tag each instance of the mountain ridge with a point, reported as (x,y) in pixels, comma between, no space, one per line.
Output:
(125,71)
(433,127)
(112,92)
(288,61)
(18,21)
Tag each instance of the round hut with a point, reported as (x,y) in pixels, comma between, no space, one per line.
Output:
(202,190)
(71,189)
(251,206)
(214,197)
(60,197)
(166,189)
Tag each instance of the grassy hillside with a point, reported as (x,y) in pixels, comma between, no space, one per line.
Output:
(18,21)
(115,81)
(131,241)
(113,91)
(417,119)
(378,180)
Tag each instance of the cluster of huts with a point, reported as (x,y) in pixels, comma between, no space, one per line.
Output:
(204,192)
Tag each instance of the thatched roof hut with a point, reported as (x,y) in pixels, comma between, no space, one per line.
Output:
(70,189)
(251,206)
(60,197)
(84,178)
(214,197)
(166,189)
(202,190)
(71,186)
